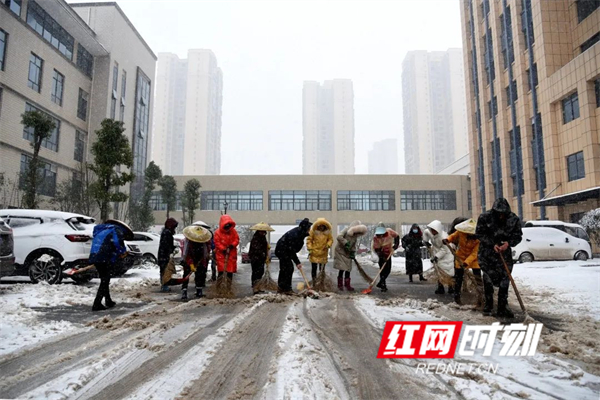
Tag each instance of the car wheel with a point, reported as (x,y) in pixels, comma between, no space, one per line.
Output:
(581,256)
(148,258)
(526,257)
(44,267)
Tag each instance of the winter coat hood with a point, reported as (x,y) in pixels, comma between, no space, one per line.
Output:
(171,224)
(357,230)
(319,242)
(436,225)
(415,226)
(226,219)
(501,206)
(320,222)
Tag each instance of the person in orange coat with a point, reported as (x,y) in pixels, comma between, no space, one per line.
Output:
(466,256)
(226,242)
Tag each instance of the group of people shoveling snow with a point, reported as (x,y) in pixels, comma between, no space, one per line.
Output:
(475,254)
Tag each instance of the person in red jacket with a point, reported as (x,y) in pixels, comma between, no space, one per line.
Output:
(226,242)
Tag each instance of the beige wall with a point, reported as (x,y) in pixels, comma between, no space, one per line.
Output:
(562,70)
(334,183)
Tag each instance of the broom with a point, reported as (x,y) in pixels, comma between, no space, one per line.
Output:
(470,280)
(323,282)
(362,272)
(223,287)
(441,276)
(370,288)
(266,282)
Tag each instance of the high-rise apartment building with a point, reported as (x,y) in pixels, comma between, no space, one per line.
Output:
(434,110)
(383,158)
(187,123)
(533,74)
(328,127)
(78,63)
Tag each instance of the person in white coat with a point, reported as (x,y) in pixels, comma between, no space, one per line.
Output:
(440,253)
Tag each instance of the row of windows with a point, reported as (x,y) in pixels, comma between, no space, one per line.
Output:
(320,200)
(34,81)
(49,29)
(140,128)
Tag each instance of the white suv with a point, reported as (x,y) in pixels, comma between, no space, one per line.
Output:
(48,242)
(550,244)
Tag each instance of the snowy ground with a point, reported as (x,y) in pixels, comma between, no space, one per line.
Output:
(270,346)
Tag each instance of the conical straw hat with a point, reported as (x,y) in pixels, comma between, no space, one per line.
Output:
(128,234)
(262,226)
(467,226)
(197,234)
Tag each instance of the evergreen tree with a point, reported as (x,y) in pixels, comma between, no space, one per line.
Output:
(168,192)
(142,217)
(190,200)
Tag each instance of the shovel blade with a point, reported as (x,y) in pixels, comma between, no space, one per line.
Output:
(367,291)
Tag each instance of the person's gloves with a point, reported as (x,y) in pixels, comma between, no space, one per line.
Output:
(347,246)
(352,255)
(434,260)
(464,265)
(427,244)
(445,241)
(192,267)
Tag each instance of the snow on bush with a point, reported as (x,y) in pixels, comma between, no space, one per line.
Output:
(591,223)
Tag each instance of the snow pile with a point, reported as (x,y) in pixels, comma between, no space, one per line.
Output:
(398,264)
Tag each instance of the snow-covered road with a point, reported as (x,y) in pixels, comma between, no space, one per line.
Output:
(273,347)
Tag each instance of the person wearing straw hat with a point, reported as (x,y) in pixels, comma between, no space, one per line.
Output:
(466,256)
(226,242)
(258,253)
(385,241)
(166,247)
(108,245)
(441,257)
(196,253)
(213,266)
(498,230)
(345,252)
(318,243)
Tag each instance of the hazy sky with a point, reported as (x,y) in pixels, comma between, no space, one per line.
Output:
(266,50)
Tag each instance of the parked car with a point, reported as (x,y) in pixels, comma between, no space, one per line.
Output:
(48,243)
(148,242)
(7,257)
(550,244)
(245,256)
(572,229)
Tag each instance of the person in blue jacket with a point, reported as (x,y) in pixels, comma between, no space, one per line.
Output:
(108,245)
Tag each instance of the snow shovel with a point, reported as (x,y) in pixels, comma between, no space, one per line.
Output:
(73,271)
(514,285)
(370,288)
(309,291)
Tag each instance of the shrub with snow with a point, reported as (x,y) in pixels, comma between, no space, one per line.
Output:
(591,223)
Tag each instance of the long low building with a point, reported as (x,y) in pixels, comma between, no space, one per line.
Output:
(397,200)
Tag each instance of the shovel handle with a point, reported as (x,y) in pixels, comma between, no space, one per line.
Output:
(512,281)
(380,269)
(305,280)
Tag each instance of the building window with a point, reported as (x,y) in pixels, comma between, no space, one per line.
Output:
(570,106)
(492,107)
(300,200)
(14,5)
(58,85)
(34,80)
(50,143)
(427,200)
(47,176)
(469,200)
(489,57)
(535,77)
(366,200)
(516,162)
(585,8)
(496,167)
(597,90)
(113,97)
(590,42)
(508,53)
(79,146)
(236,200)
(85,61)
(49,29)
(575,166)
(537,147)
(141,126)
(514,92)
(123,91)
(527,22)
(82,104)
(3,44)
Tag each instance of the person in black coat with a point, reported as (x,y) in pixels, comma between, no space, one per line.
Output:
(498,230)
(166,247)
(412,243)
(286,250)
(258,253)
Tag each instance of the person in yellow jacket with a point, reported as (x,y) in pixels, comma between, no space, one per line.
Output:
(466,256)
(318,243)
